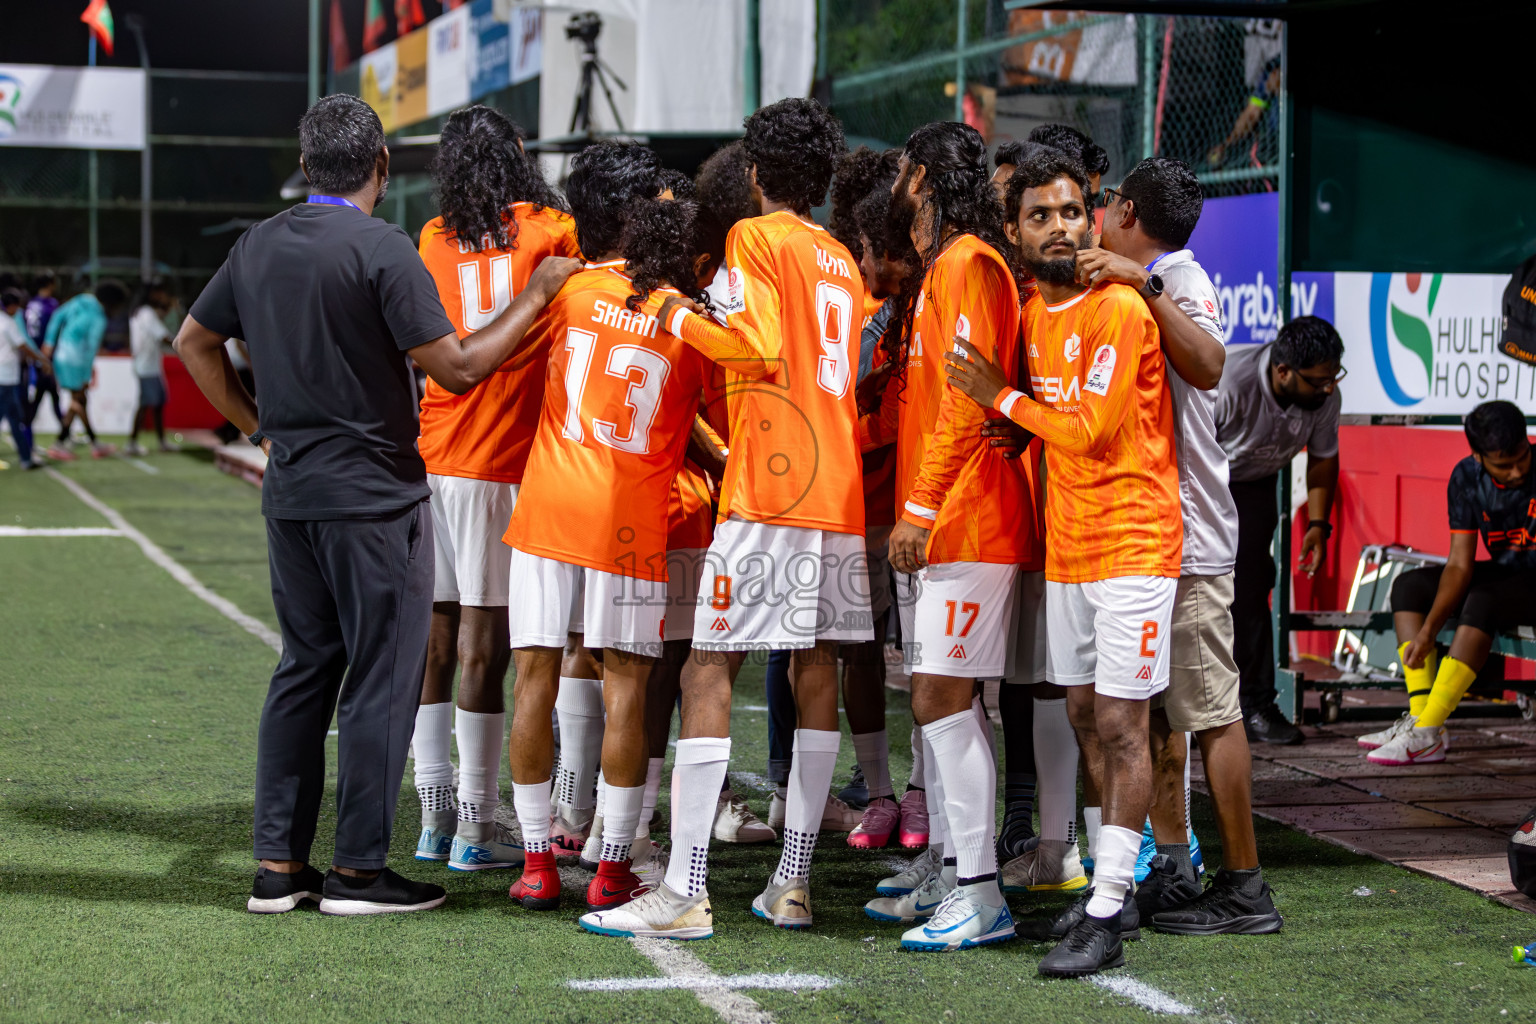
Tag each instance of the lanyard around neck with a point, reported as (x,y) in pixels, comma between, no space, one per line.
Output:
(334,201)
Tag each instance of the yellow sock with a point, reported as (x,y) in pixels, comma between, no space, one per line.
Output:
(1451,683)
(1420,680)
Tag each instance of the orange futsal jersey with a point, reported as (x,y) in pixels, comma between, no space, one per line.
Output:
(1103,410)
(620,397)
(486,433)
(794,308)
(979,505)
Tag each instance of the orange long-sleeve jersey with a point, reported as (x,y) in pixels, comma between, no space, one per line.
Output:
(621,394)
(1103,409)
(793,314)
(979,506)
(485,434)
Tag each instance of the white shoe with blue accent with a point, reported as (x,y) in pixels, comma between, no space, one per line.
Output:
(498,850)
(924,864)
(917,905)
(964,920)
(435,843)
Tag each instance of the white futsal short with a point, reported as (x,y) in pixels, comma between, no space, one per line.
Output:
(549,599)
(1028,653)
(771,587)
(955,618)
(468,519)
(684,567)
(1112,634)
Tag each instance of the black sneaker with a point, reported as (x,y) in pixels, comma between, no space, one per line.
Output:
(1165,888)
(385,893)
(1092,945)
(1054,926)
(1223,909)
(275,892)
(1268,725)
(856,793)
(1017,836)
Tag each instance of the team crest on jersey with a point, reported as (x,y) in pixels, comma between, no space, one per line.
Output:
(735,292)
(1103,370)
(1034,353)
(1073,348)
(962,330)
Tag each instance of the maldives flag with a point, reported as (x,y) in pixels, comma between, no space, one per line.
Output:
(374,26)
(341,55)
(408,16)
(99,17)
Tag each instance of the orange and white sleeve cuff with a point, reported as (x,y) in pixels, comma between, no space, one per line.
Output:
(1006,400)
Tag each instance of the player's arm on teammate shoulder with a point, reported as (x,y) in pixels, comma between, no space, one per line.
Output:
(751,342)
(1192,351)
(458,364)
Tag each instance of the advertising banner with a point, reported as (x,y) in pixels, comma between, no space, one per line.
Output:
(71,108)
(411,78)
(527,35)
(1426,344)
(491,62)
(448,61)
(376,84)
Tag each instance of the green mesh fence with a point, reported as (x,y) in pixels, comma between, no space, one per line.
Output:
(1203,90)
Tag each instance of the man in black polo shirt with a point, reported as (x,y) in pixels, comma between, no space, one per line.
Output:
(1493,493)
(333,305)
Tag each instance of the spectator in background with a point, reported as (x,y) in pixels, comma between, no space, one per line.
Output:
(147,338)
(72,340)
(14,352)
(1260,110)
(1275,400)
(1492,492)
(39,311)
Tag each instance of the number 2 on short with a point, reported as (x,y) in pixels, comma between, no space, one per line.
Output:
(1148,634)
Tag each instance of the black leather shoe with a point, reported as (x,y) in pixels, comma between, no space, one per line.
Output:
(1053,926)
(384,893)
(1092,945)
(1268,725)
(1228,907)
(1165,888)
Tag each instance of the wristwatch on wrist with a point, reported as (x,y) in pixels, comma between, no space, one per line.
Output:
(1321,524)
(256,438)
(1153,288)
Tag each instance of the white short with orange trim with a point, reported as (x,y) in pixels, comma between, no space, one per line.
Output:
(468,519)
(1112,634)
(684,568)
(955,618)
(549,599)
(771,587)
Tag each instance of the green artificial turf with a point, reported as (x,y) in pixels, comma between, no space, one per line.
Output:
(127,727)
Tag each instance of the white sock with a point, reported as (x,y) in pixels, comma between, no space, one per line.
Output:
(434,771)
(1189,741)
(1093,819)
(1114,869)
(579,705)
(697,772)
(810,778)
(938,826)
(873,749)
(602,794)
(532,805)
(986,728)
(620,813)
(969,774)
(918,778)
(1056,759)
(648,802)
(480,742)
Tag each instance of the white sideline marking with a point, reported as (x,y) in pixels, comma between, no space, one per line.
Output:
(59,531)
(735,982)
(1143,995)
(223,605)
(146,467)
(679,963)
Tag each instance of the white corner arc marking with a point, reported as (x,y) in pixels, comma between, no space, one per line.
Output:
(178,572)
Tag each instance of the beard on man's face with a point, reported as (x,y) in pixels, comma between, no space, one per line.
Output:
(1059,270)
(901,213)
(383,191)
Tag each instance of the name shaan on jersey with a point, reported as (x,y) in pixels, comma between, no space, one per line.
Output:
(622,318)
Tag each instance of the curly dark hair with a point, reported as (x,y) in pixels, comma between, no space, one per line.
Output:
(794,144)
(724,187)
(957,198)
(859,172)
(479,171)
(1040,169)
(605,179)
(680,185)
(1069,140)
(659,245)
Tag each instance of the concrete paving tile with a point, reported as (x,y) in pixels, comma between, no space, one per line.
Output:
(1381,814)
(1500,814)
(1453,787)
(1359,768)
(1495,762)
(1484,874)
(1403,844)
(1516,899)
(1283,792)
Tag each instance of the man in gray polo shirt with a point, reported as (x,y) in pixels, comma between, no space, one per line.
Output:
(1147,223)
(1275,400)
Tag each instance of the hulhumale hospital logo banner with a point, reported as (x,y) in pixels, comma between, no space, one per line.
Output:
(1414,344)
(71,108)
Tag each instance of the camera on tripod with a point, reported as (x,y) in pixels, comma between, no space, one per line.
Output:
(585,26)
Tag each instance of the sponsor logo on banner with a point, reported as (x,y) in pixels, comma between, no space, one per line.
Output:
(448,62)
(71,107)
(376,83)
(411,78)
